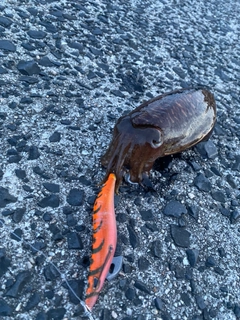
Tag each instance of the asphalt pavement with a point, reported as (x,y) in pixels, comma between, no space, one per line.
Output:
(68,71)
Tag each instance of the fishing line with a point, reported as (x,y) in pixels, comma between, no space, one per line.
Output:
(86,310)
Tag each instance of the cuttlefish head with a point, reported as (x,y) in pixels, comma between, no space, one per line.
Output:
(133,149)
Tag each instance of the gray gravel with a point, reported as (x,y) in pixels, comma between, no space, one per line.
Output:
(68,70)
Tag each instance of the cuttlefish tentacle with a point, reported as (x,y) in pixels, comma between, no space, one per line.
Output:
(117,159)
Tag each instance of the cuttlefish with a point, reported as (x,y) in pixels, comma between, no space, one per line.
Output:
(167,124)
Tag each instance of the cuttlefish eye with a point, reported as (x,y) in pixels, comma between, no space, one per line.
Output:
(155,138)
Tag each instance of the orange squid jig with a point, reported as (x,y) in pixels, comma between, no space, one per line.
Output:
(104,240)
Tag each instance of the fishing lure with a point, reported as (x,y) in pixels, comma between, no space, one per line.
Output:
(167,124)
(104,240)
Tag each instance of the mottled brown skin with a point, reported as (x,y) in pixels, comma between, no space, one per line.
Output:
(167,124)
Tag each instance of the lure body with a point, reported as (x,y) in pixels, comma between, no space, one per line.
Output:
(167,124)
(104,240)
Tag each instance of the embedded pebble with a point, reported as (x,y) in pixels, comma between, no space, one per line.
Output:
(75,197)
(28,68)
(210,262)
(41,173)
(6,197)
(146,215)
(55,137)
(22,278)
(45,62)
(141,286)
(52,201)
(202,183)
(156,248)
(236,164)
(218,196)
(3,70)
(7,45)
(37,34)
(219,270)
(77,286)
(186,299)
(130,293)
(127,268)
(21,174)
(33,153)
(5,262)
(6,309)
(235,215)
(143,263)
(222,252)
(159,304)
(37,246)
(200,302)
(179,272)
(5,22)
(18,214)
(52,187)
(17,234)
(192,255)
(105,314)
(57,313)
(74,241)
(175,209)
(50,272)
(181,236)
(133,237)
(236,310)
(151,226)
(33,301)
(193,211)
(211,149)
